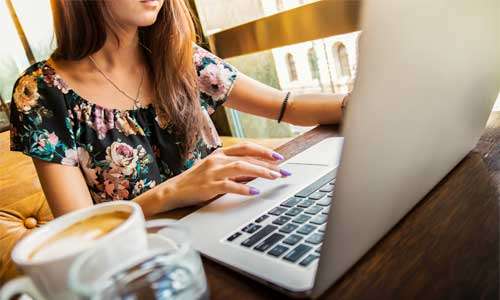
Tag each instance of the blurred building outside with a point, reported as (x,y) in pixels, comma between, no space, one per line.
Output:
(325,65)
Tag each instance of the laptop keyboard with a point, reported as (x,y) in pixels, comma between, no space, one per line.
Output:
(293,230)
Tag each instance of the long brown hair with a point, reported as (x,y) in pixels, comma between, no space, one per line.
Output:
(80,29)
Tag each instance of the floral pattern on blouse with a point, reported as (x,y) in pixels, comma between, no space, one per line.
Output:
(121,153)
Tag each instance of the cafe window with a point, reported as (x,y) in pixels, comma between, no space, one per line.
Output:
(279,4)
(27,36)
(313,63)
(292,68)
(285,61)
(236,31)
(341,60)
(218,15)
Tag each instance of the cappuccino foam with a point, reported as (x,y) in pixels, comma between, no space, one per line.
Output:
(79,235)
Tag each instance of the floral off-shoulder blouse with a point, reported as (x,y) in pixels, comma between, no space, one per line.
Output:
(121,153)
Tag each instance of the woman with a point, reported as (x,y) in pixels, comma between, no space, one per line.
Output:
(120,110)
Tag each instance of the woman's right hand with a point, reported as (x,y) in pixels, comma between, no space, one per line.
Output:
(221,172)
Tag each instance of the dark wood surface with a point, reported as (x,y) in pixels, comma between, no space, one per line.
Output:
(447,247)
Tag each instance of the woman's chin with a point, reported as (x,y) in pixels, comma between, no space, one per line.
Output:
(144,21)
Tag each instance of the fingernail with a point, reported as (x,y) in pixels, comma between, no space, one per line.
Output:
(275,174)
(285,173)
(278,156)
(254,191)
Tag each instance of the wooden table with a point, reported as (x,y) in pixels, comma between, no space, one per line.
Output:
(447,247)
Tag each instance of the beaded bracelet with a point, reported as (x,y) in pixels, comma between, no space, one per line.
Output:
(283,107)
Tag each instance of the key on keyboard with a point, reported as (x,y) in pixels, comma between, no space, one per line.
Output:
(294,211)
(292,240)
(278,250)
(291,202)
(281,220)
(308,260)
(269,242)
(251,228)
(301,219)
(306,229)
(314,210)
(319,219)
(288,228)
(315,238)
(326,188)
(305,203)
(233,236)
(297,253)
(277,211)
(317,196)
(252,240)
(315,185)
(261,218)
(324,202)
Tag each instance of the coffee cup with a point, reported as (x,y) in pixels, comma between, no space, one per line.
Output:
(169,269)
(45,255)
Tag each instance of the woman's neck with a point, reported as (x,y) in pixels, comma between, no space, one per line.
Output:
(122,53)
(114,58)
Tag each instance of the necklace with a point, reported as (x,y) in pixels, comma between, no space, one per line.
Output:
(134,99)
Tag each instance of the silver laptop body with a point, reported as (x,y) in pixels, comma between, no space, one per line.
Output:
(427,79)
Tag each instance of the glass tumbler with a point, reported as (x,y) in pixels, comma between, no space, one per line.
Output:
(169,269)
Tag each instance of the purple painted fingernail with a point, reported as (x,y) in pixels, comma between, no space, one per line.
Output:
(254,191)
(285,173)
(278,156)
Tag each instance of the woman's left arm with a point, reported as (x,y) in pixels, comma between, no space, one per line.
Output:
(250,96)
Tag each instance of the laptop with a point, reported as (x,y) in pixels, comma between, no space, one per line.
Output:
(427,79)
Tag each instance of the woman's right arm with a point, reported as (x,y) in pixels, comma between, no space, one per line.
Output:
(66,190)
(64,187)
